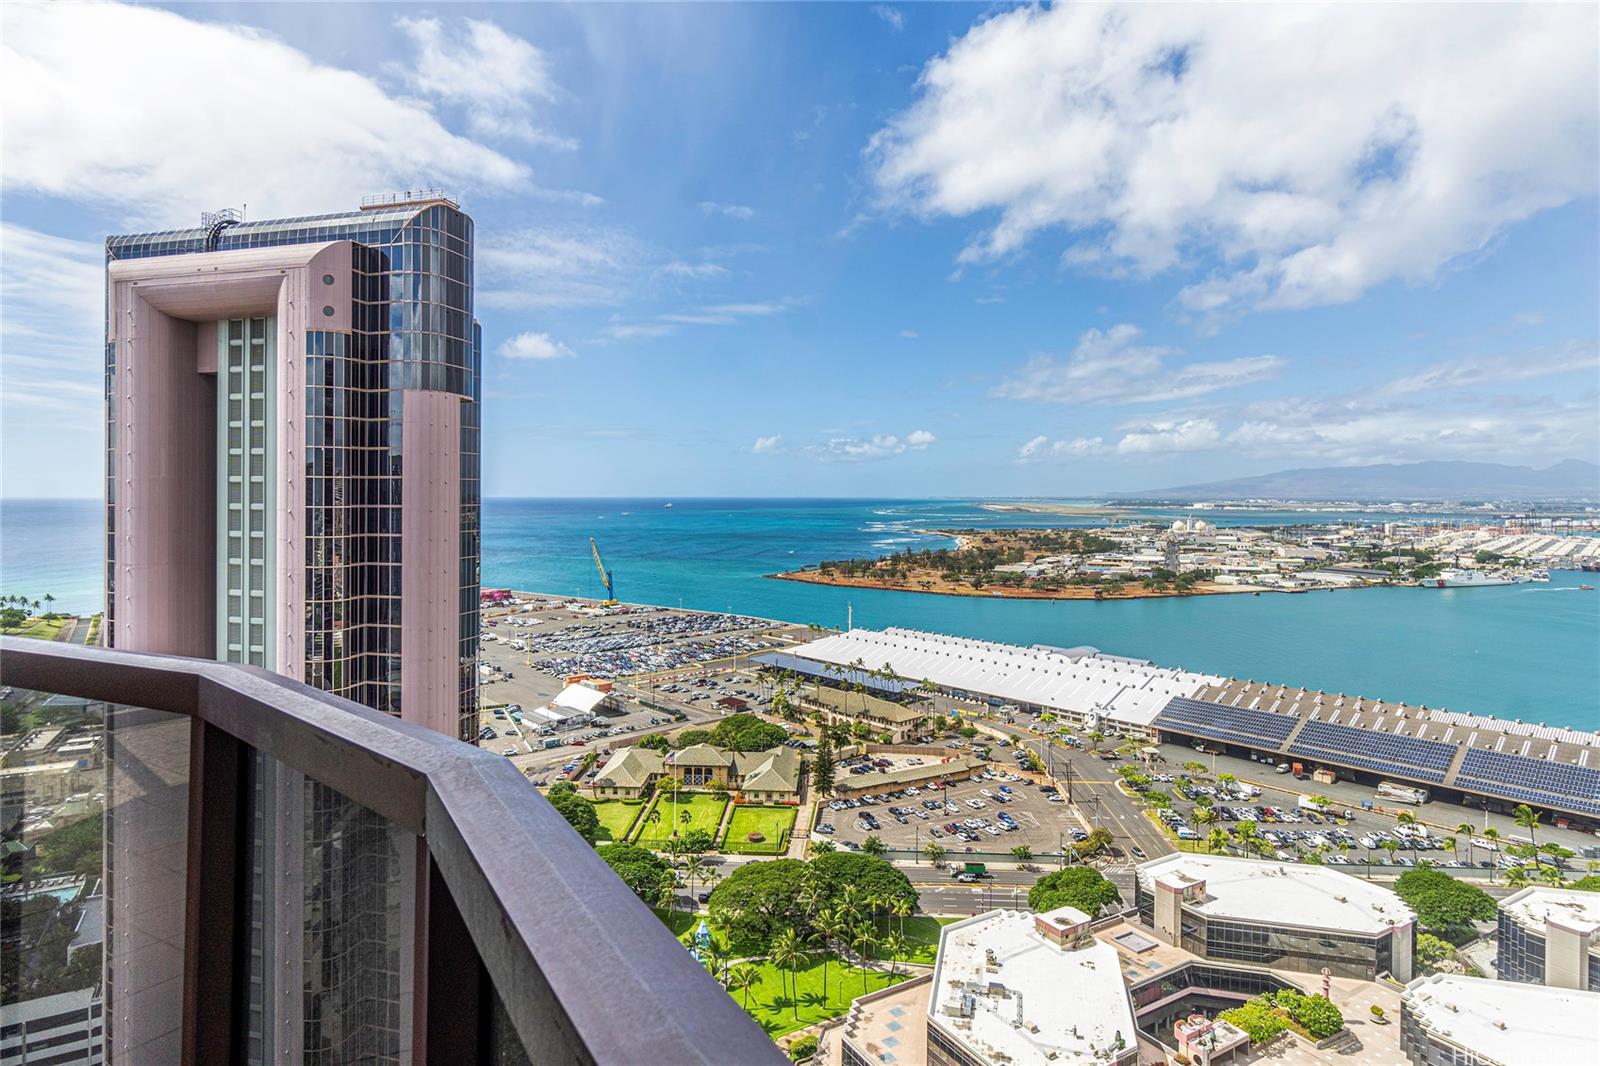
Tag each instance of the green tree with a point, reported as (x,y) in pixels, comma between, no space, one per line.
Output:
(822,768)
(1259,1020)
(803,1047)
(935,852)
(1528,818)
(578,812)
(690,737)
(1076,886)
(1445,906)
(873,845)
(655,742)
(786,952)
(861,876)
(641,869)
(744,976)
(1433,950)
(1022,853)
(747,732)
(760,899)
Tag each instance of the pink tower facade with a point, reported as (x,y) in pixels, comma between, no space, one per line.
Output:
(292,456)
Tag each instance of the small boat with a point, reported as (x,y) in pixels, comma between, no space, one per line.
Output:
(1585,588)
(1540,574)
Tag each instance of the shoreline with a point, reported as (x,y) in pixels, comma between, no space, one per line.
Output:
(1079,592)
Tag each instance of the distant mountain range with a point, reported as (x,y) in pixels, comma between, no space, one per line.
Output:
(1457,481)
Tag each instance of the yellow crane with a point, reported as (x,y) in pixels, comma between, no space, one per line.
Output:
(605,575)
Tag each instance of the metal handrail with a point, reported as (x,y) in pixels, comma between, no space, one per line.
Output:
(585,971)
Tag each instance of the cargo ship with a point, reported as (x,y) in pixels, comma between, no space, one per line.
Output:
(1468,579)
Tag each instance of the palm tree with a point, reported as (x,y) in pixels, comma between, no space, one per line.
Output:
(785,952)
(668,897)
(744,977)
(1492,835)
(1528,818)
(716,963)
(1216,840)
(901,908)
(830,921)
(1517,876)
(934,851)
(1452,844)
(1551,875)
(862,938)
(1391,846)
(696,867)
(897,946)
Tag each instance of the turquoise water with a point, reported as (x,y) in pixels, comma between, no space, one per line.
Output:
(1527,651)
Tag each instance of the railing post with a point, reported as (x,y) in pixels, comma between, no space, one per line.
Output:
(216,920)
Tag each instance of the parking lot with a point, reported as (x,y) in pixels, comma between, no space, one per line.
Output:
(993,812)
(1341,836)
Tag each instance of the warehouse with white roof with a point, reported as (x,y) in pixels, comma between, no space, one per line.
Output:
(1079,685)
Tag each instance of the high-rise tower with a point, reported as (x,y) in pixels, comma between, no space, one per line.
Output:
(292,482)
(292,451)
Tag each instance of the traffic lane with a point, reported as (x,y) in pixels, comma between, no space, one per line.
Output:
(1097,797)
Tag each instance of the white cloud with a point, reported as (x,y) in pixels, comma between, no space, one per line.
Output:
(624,331)
(714,315)
(679,268)
(1042,448)
(214,114)
(53,294)
(496,76)
(738,211)
(534,346)
(558,267)
(881,446)
(891,17)
(1478,370)
(1311,151)
(1107,367)
(910,334)
(766,445)
(1163,438)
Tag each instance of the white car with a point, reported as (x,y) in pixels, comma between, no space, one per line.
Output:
(985,793)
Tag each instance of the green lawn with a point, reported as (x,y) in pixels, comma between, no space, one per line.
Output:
(704,809)
(617,817)
(775,823)
(922,933)
(40,628)
(771,1002)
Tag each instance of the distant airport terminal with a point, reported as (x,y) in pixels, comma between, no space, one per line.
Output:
(1478,761)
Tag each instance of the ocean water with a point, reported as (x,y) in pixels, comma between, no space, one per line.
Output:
(1527,651)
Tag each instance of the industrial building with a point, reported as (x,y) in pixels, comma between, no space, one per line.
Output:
(1081,686)
(1550,936)
(1287,916)
(1480,761)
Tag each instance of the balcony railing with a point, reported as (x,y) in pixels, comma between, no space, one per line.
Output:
(463,918)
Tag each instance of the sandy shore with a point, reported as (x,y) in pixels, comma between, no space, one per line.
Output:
(1072,510)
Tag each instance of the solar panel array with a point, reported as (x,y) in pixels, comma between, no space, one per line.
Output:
(1544,784)
(1371,749)
(1258,729)
(779,660)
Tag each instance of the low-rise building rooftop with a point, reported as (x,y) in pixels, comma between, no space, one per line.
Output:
(1536,907)
(1279,893)
(1020,988)
(1502,1021)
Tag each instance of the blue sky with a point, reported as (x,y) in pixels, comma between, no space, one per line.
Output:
(870,250)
